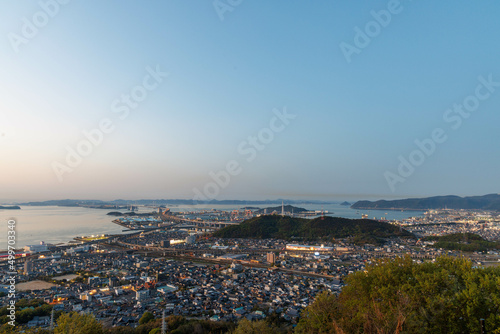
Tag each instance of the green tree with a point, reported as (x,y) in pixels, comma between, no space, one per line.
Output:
(319,316)
(9,330)
(25,315)
(121,330)
(146,317)
(74,323)
(148,326)
(174,321)
(253,327)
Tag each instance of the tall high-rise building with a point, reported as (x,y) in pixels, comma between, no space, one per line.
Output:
(113,282)
(271,257)
(28,267)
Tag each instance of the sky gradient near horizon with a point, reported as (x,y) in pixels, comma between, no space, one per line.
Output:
(233,73)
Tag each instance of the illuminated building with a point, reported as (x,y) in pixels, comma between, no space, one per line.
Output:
(321,248)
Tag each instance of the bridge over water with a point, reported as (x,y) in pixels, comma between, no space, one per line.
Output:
(199,223)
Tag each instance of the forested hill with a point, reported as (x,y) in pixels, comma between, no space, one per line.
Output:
(486,202)
(321,228)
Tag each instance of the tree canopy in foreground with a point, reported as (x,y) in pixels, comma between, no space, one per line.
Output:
(401,296)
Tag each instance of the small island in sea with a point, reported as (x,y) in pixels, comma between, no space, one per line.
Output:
(131,213)
(11,207)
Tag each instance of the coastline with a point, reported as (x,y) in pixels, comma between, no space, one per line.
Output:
(389,209)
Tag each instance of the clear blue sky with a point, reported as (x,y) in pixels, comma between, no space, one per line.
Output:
(354,119)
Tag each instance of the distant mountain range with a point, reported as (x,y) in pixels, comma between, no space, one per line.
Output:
(359,231)
(158,202)
(487,202)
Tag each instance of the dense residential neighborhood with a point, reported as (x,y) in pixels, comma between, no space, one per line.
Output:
(175,270)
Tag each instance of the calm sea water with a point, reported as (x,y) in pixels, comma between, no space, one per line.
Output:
(54,224)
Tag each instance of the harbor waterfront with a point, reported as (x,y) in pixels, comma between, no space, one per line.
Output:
(58,224)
